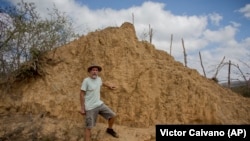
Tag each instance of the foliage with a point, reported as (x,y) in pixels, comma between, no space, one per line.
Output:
(243,90)
(25,36)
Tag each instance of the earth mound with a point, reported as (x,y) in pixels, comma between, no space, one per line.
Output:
(152,88)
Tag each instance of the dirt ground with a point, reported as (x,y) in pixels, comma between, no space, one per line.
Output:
(42,128)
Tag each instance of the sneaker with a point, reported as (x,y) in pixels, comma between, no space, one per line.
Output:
(112,132)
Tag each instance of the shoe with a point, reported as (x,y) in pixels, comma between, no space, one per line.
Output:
(112,132)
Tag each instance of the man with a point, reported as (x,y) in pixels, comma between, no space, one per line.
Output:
(92,105)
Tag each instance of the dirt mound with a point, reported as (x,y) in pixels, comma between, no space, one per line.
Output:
(152,87)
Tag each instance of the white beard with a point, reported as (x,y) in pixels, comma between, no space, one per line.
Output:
(94,76)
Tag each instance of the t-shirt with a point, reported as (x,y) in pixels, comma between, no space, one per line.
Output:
(92,89)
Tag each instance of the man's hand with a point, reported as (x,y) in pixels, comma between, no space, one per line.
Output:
(112,87)
(82,112)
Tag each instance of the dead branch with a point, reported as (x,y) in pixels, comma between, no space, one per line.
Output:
(218,68)
(202,65)
(184,51)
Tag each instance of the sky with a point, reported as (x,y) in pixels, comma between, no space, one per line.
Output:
(215,28)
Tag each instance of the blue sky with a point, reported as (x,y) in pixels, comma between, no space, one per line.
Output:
(216,28)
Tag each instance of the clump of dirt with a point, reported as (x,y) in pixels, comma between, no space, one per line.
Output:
(152,88)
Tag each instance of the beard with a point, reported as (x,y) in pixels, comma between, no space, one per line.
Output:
(94,76)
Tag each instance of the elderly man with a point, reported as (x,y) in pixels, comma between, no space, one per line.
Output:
(92,105)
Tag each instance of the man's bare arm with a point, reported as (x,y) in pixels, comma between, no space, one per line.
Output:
(109,85)
(82,102)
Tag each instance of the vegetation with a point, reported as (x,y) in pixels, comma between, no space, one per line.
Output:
(243,90)
(25,36)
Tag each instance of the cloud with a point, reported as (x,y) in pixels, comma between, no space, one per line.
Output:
(245,11)
(222,35)
(215,18)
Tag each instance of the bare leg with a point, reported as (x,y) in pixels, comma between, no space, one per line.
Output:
(87,134)
(111,122)
(110,128)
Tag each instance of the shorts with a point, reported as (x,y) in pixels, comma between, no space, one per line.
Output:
(91,115)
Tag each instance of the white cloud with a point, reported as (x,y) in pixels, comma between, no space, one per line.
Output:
(215,18)
(194,29)
(246,11)
(222,35)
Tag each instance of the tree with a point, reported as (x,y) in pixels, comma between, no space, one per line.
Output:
(25,36)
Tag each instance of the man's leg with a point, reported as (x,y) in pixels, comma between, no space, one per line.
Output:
(108,114)
(110,129)
(87,134)
(111,122)
(90,119)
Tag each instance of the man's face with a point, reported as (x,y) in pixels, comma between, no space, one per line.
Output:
(94,73)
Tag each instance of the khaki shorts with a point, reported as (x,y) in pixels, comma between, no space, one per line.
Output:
(91,115)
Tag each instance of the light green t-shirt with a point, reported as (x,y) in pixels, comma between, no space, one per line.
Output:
(92,89)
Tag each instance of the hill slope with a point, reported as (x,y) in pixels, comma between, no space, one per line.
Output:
(152,88)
